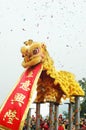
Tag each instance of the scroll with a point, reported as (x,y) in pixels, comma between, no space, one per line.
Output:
(14,110)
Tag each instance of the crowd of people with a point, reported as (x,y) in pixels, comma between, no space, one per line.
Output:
(63,124)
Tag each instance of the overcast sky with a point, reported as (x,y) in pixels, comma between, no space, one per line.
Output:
(61,24)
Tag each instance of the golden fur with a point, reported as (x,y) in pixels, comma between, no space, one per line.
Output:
(52,84)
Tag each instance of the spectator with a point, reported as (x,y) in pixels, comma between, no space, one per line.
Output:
(33,124)
(25,125)
(61,127)
(46,125)
(84,125)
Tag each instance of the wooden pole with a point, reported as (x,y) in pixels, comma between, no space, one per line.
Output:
(70,116)
(51,115)
(77,113)
(70,112)
(37,116)
(29,119)
(56,115)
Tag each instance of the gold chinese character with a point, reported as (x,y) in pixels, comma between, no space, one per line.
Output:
(19,97)
(30,74)
(25,85)
(10,115)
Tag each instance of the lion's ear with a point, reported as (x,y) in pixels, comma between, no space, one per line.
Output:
(43,46)
(29,42)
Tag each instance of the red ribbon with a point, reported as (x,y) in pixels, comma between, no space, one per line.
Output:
(18,102)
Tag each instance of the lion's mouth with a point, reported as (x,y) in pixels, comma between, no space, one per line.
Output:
(34,57)
(34,60)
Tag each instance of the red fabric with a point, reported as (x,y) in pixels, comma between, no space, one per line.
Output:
(60,127)
(18,102)
(45,126)
(84,127)
(41,124)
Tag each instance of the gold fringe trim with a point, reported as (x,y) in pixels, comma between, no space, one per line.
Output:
(3,128)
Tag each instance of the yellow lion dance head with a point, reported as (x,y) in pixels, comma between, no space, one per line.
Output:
(33,53)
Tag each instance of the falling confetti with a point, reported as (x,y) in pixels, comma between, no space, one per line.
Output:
(24,19)
(23,29)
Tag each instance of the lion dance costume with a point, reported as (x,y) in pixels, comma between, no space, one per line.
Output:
(40,75)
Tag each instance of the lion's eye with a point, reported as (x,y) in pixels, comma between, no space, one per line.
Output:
(35,51)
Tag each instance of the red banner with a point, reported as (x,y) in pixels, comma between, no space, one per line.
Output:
(17,104)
